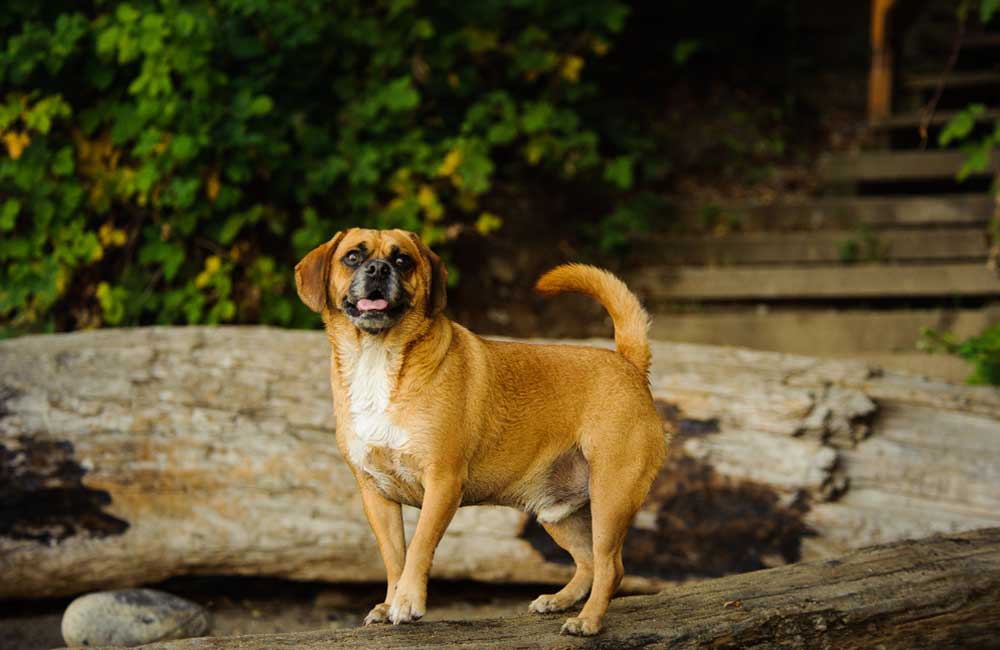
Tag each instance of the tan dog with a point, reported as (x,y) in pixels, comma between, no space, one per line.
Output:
(433,416)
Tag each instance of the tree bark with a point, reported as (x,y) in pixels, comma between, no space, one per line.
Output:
(942,592)
(129,456)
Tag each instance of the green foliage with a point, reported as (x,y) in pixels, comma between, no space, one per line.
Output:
(982,351)
(685,49)
(960,128)
(987,9)
(168,161)
(635,215)
(979,153)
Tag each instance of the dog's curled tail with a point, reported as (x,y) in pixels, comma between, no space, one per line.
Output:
(630,319)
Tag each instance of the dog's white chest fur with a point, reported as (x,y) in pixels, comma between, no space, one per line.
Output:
(369,388)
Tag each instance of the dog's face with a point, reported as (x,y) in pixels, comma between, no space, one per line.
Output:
(376,278)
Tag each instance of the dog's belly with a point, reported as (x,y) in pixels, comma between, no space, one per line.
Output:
(556,491)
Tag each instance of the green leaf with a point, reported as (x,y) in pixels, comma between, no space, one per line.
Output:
(261,105)
(8,215)
(183,147)
(168,255)
(400,95)
(978,158)
(988,9)
(960,126)
(126,13)
(537,116)
(619,172)
(684,50)
(63,164)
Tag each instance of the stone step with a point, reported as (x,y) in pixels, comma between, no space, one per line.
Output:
(890,166)
(872,281)
(842,213)
(953,244)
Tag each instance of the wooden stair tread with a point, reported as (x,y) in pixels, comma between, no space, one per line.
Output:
(805,247)
(846,212)
(820,282)
(953,80)
(873,166)
(940,118)
(981,40)
(825,332)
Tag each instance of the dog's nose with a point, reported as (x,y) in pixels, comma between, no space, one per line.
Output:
(378,269)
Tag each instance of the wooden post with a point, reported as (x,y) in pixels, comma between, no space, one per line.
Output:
(880,75)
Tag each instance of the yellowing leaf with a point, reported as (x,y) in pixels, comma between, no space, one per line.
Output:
(600,47)
(533,152)
(400,181)
(61,280)
(16,141)
(428,202)
(487,223)
(451,162)
(111,236)
(453,80)
(213,264)
(202,279)
(212,186)
(571,67)
(480,40)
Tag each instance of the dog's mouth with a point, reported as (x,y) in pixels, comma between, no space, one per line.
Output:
(375,302)
(375,313)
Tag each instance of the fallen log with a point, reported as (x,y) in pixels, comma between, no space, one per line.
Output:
(129,456)
(942,592)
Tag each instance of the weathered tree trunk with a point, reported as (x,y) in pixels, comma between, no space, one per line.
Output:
(930,594)
(130,456)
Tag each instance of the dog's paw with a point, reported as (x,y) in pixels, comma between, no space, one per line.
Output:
(547,603)
(406,609)
(578,626)
(379,614)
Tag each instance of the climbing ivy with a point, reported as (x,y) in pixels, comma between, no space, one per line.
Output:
(167,161)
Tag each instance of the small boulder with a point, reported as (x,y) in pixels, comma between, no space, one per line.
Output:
(131,617)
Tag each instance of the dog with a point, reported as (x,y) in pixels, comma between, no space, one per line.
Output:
(432,416)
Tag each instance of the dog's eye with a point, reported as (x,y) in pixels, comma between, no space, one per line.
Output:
(402,261)
(353,258)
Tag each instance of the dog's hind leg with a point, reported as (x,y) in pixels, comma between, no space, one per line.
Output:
(572,534)
(617,489)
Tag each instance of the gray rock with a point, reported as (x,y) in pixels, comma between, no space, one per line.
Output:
(131,617)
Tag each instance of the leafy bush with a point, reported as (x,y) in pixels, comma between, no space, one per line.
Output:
(168,161)
(982,351)
(960,128)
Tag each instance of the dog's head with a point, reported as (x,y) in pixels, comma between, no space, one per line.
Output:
(376,278)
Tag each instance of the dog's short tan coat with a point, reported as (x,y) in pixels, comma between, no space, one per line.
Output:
(431,415)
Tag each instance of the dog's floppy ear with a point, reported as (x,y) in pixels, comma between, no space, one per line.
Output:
(437,292)
(312,274)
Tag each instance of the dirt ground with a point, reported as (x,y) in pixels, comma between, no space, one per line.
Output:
(259,606)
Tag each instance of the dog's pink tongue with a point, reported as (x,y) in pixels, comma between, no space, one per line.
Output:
(372,305)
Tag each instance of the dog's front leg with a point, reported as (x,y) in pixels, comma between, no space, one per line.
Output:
(386,520)
(442,496)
